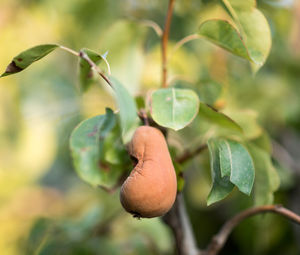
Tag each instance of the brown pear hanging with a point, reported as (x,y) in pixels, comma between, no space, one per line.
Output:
(150,189)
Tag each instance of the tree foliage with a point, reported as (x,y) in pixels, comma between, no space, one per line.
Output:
(224,90)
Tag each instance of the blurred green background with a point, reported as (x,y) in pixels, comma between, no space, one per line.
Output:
(46,209)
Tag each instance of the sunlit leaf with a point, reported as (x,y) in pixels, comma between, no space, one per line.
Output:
(85,71)
(236,163)
(266,177)
(257,35)
(263,142)
(221,186)
(223,34)
(252,40)
(27,57)
(128,110)
(218,118)
(174,108)
(248,122)
(253,28)
(245,5)
(88,150)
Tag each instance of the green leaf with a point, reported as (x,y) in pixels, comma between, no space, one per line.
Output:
(218,118)
(263,142)
(248,122)
(209,91)
(140,102)
(221,186)
(252,40)
(236,163)
(257,35)
(88,150)
(267,180)
(225,157)
(253,28)
(245,5)
(85,71)
(27,57)
(223,34)
(40,233)
(128,110)
(174,108)
(115,152)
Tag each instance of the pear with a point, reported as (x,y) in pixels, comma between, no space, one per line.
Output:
(150,189)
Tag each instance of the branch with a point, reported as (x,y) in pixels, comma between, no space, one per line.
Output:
(178,220)
(190,154)
(220,239)
(143,116)
(150,122)
(84,56)
(164,43)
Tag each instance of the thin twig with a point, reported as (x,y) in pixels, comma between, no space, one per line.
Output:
(190,154)
(164,43)
(84,56)
(150,23)
(143,116)
(184,41)
(220,239)
(75,53)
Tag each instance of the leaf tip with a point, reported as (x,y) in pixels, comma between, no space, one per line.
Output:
(245,191)
(210,200)
(104,55)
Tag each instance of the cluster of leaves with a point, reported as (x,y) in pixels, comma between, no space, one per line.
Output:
(246,33)
(98,144)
